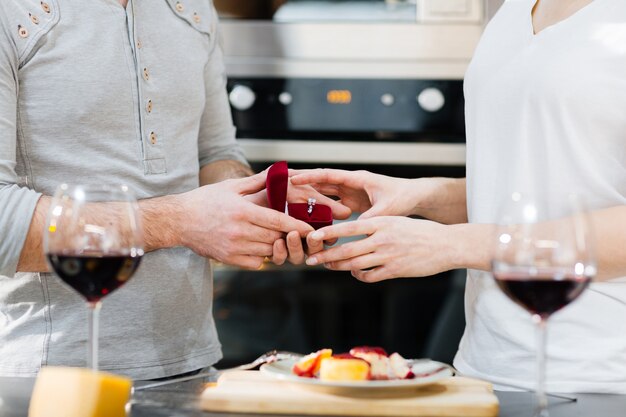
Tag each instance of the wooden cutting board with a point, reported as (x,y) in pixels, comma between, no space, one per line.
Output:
(254,392)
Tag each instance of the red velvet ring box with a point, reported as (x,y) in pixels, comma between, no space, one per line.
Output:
(276,185)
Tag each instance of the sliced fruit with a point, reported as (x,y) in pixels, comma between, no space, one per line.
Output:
(376,357)
(344,368)
(368,349)
(309,365)
(398,368)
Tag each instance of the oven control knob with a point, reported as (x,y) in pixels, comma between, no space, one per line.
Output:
(431,99)
(242,97)
(285,98)
(387,99)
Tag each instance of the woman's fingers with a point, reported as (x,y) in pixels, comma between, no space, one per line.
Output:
(302,194)
(319,176)
(367,261)
(355,228)
(343,252)
(327,189)
(380,273)
(314,246)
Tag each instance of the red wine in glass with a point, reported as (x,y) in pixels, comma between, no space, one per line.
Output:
(543,260)
(94,276)
(541,293)
(93,242)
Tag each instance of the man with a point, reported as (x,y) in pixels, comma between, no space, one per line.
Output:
(134,94)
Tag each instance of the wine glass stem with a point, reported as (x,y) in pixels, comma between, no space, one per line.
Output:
(542,399)
(94,316)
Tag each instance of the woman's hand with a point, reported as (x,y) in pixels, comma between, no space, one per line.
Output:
(440,199)
(393,247)
(362,191)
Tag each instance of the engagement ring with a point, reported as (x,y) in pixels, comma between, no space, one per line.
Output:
(311,203)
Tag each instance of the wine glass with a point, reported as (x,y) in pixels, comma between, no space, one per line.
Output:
(543,262)
(93,241)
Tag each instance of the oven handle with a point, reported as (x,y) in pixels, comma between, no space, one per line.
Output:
(354,152)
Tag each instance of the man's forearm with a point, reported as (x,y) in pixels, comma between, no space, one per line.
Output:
(223,170)
(160,217)
(32,255)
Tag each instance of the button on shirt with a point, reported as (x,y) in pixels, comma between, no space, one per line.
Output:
(109,95)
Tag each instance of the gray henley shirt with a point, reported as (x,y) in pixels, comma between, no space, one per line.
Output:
(91,92)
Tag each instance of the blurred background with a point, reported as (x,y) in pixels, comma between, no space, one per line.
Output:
(367,84)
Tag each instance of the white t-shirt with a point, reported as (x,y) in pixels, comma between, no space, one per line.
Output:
(547,111)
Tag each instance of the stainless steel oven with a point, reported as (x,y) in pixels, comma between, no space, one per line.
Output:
(352,84)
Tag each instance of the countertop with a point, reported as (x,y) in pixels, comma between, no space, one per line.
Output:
(180,401)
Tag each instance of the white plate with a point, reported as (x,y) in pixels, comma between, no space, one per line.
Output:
(427,371)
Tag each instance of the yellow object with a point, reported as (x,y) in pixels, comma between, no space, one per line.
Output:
(79,392)
(309,365)
(333,369)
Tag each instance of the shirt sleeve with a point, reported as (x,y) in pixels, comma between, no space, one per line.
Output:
(217,132)
(17,204)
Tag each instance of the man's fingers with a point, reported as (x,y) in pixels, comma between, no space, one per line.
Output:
(295,248)
(280,252)
(280,222)
(257,249)
(254,233)
(251,184)
(247,262)
(259,198)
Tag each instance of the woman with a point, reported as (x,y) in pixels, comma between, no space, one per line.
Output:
(545,94)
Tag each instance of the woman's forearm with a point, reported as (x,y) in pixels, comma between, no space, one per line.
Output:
(609,238)
(440,199)
(471,245)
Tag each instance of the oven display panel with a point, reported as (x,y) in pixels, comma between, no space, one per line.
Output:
(392,109)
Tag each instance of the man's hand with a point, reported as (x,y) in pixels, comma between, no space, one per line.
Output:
(291,248)
(220,223)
